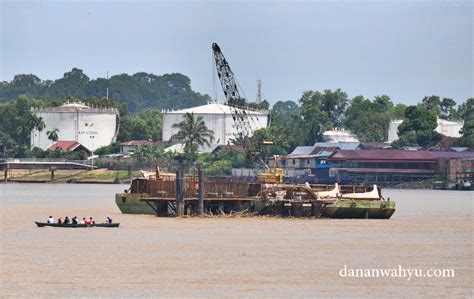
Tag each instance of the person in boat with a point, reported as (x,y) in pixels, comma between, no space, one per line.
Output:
(50,220)
(83,221)
(60,221)
(89,221)
(109,219)
(74,220)
(66,220)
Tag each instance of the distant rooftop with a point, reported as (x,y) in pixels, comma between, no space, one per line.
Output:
(301,151)
(322,149)
(137,143)
(341,145)
(212,108)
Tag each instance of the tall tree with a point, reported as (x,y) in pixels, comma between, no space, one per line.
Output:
(284,109)
(194,133)
(322,111)
(432,103)
(146,125)
(397,111)
(466,111)
(418,128)
(331,103)
(73,83)
(448,110)
(369,120)
(17,122)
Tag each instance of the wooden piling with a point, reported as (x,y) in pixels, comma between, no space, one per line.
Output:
(201,191)
(179,193)
(52,169)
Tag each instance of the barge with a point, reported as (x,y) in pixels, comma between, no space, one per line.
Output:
(227,196)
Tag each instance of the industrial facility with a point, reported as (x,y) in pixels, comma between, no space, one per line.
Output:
(218,118)
(89,126)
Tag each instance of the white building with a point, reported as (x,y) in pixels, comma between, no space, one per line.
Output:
(218,118)
(339,135)
(91,127)
(445,127)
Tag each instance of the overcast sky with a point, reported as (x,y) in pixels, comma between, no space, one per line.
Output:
(405,49)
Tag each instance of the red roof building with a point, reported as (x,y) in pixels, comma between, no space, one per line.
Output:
(69,146)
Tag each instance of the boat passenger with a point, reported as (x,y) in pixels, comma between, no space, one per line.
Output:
(66,220)
(91,221)
(74,220)
(60,221)
(50,220)
(109,219)
(83,221)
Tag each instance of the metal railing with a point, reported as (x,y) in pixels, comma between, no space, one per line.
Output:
(46,160)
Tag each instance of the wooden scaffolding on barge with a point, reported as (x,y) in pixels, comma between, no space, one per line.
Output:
(189,195)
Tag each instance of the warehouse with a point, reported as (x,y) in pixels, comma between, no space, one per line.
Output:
(382,166)
(91,127)
(218,118)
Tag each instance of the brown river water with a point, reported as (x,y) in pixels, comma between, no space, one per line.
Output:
(232,257)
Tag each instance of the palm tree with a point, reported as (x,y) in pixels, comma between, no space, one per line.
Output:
(53,135)
(38,123)
(194,133)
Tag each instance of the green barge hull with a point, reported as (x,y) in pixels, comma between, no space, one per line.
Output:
(374,209)
(129,203)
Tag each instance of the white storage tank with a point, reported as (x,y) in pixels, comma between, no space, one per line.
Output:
(91,127)
(218,118)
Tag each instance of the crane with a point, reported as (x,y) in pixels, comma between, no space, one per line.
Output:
(242,119)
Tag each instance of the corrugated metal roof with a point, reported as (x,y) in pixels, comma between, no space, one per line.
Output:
(301,150)
(451,155)
(213,108)
(381,155)
(341,145)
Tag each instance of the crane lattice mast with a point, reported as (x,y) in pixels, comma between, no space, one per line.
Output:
(231,92)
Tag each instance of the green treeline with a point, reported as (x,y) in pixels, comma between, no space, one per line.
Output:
(293,123)
(138,92)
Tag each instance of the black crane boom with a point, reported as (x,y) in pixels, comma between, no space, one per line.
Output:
(233,98)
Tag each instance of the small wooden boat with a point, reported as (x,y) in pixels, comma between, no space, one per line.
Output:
(43,224)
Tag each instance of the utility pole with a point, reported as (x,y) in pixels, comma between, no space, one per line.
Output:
(107,85)
(259,91)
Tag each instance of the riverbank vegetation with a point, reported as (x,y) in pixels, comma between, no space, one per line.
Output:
(140,98)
